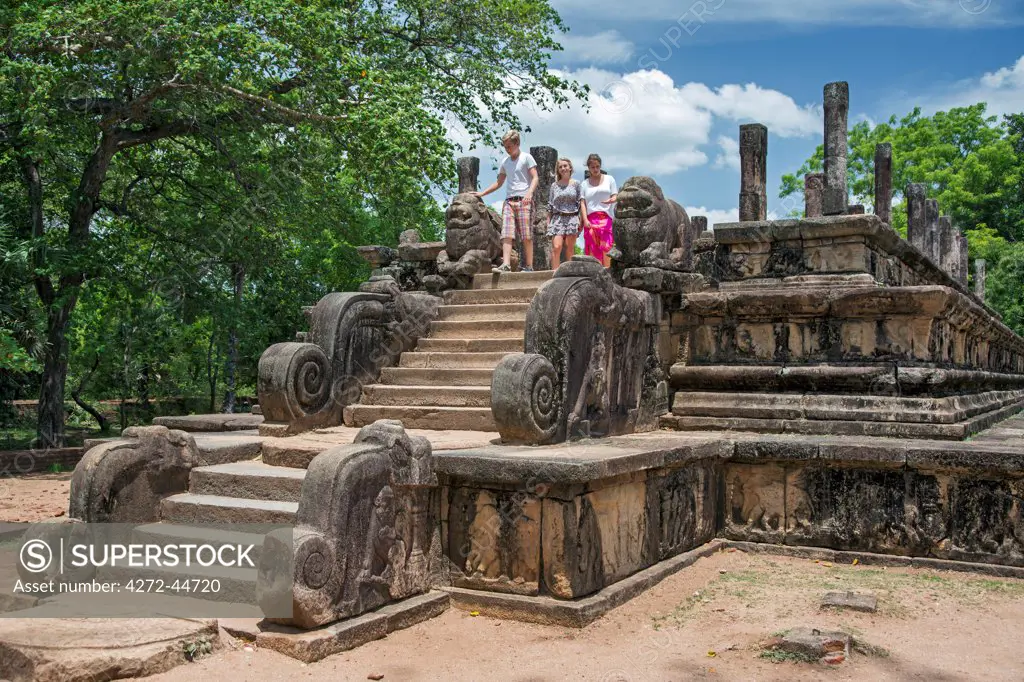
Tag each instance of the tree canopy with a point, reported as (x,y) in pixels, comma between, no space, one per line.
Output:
(175,159)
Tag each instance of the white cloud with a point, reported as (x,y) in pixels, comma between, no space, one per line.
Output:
(715,216)
(606,47)
(643,122)
(691,14)
(730,155)
(1002,89)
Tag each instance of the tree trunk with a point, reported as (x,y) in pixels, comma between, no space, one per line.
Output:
(75,395)
(50,426)
(212,371)
(231,368)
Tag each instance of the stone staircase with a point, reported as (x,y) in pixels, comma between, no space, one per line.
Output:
(445,383)
(221,498)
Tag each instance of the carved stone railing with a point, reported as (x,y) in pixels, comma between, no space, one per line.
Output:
(367,531)
(591,364)
(123,481)
(352,335)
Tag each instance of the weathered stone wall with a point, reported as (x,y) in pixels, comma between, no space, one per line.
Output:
(568,541)
(556,523)
(849,323)
(920,500)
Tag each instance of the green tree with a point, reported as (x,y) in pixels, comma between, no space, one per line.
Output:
(92,90)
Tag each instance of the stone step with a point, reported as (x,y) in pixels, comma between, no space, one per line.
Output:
(439,360)
(418,376)
(434,418)
(191,508)
(484,311)
(419,396)
(504,344)
(174,534)
(511,280)
(248,480)
(477,329)
(488,296)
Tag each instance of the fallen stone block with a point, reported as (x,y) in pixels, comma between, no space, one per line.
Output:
(868,603)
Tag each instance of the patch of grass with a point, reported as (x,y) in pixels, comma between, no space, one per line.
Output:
(197,648)
(56,468)
(778,656)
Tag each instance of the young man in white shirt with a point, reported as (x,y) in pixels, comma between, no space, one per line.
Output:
(521,171)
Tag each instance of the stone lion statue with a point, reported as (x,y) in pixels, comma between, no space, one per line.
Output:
(650,230)
(472,237)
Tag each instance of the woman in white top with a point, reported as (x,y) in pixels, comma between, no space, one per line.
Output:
(599,194)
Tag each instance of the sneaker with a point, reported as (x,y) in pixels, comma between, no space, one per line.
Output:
(504,267)
(526,269)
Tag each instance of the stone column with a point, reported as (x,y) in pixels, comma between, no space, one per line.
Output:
(469,173)
(837,109)
(883,182)
(961,240)
(753,172)
(917,220)
(814,184)
(932,241)
(547,161)
(979,278)
(699,224)
(946,250)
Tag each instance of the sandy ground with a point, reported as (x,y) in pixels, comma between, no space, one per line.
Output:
(703,623)
(34,497)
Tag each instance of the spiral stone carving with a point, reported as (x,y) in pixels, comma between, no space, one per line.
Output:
(294,381)
(526,398)
(314,562)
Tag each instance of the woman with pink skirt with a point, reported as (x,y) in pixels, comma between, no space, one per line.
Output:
(599,193)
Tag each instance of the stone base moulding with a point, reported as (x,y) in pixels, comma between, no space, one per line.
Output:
(310,646)
(579,612)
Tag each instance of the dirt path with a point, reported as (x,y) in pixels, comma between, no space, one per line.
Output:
(34,497)
(703,623)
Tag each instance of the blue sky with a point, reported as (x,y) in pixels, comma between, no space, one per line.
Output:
(674,79)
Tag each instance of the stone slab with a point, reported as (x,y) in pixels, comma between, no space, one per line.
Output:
(580,461)
(854,601)
(299,451)
(580,612)
(313,645)
(74,649)
(232,446)
(211,422)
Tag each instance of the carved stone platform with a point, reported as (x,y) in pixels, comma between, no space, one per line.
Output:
(838,326)
(562,533)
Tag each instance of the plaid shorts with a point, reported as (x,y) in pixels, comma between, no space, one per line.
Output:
(515,220)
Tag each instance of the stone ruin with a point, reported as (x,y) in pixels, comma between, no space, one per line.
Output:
(770,342)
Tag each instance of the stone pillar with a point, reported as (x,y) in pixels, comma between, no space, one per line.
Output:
(837,109)
(962,269)
(814,184)
(947,246)
(753,172)
(700,224)
(932,241)
(979,278)
(469,173)
(883,182)
(917,220)
(547,161)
